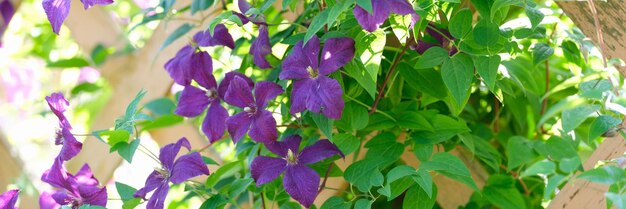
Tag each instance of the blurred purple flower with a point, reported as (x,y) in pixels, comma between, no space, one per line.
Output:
(74,190)
(312,88)
(442,38)
(193,101)
(381,9)
(8,199)
(57,10)
(300,181)
(20,84)
(254,117)
(189,59)
(71,147)
(46,201)
(185,167)
(6,14)
(261,46)
(88,75)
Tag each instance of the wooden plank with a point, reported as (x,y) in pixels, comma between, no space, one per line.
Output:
(92,27)
(11,169)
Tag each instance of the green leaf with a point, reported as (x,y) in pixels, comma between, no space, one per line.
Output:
(87,206)
(416,198)
(500,191)
(519,151)
(366,5)
(618,200)
(541,52)
(594,88)
(163,121)
(126,192)
(445,128)
(487,68)
(224,171)
(423,151)
(461,23)
(217,20)
(238,186)
(324,124)
(414,120)
(357,70)
(215,202)
(179,32)
(336,203)
(127,150)
(432,57)
(369,47)
(317,23)
(290,205)
(572,118)
(425,181)
(399,172)
(354,117)
(601,125)
(486,33)
(112,137)
(85,87)
(131,109)
(553,183)
(571,51)
(428,81)
(365,174)
(75,62)
(363,204)
(534,15)
(541,167)
(384,145)
(604,175)
(346,143)
(336,10)
(450,166)
(499,4)
(200,5)
(161,106)
(398,187)
(457,74)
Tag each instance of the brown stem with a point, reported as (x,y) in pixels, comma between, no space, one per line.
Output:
(330,167)
(516,175)
(382,88)
(544,103)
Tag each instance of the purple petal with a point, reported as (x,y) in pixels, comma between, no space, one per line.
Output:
(88,75)
(188,166)
(8,199)
(266,91)
(288,143)
(201,61)
(441,35)
(46,201)
(71,146)
(153,181)
(329,94)
(85,177)
(57,11)
(157,200)
(265,169)
(300,94)
(228,78)
(221,36)
(169,152)
(179,67)
(205,78)
(93,195)
(242,17)
(57,176)
(62,197)
(89,3)
(243,6)
(261,47)
(6,11)
(301,183)
(296,64)
(192,102)
(422,46)
(319,151)
(401,7)
(371,22)
(238,125)
(58,104)
(214,123)
(337,52)
(239,93)
(263,127)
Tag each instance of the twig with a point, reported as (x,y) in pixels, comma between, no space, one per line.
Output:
(330,167)
(516,175)
(544,103)
(496,109)
(382,88)
(263,200)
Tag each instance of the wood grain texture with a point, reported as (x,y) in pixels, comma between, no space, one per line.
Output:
(11,169)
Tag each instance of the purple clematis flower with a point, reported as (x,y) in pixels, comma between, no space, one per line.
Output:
(261,46)
(185,167)
(71,147)
(381,9)
(254,117)
(312,88)
(442,39)
(75,190)
(8,199)
(193,101)
(300,181)
(6,14)
(57,10)
(189,59)
(47,202)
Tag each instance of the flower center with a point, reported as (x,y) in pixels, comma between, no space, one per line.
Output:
(163,172)
(250,109)
(58,137)
(211,93)
(313,73)
(291,158)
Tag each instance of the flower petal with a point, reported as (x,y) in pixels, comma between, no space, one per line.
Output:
(223,87)
(371,22)
(157,200)
(288,143)
(403,7)
(265,169)
(62,197)
(265,91)
(205,78)
(57,175)
(57,11)
(214,124)
(71,147)
(239,93)
(85,177)
(319,151)
(329,94)
(93,195)
(58,104)
(179,67)
(238,125)
(188,166)
(192,102)
(169,152)
(90,3)
(221,36)
(153,181)
(301,183)
(300,93)
(261,47)
(263,127)
(296,64)
(337,52)
(201,61)
(9,198)
(46,201)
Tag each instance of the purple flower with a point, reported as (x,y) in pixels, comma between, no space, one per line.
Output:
(8,199)
(300,181)
(6,14)
(189,59)
(47,202)
(88,75)
(441,36)
(381,9)
(185,167)
(312,88)
(74,190)
(193,101)
(57,10)
(254,117)
(71,147)
(261,46)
